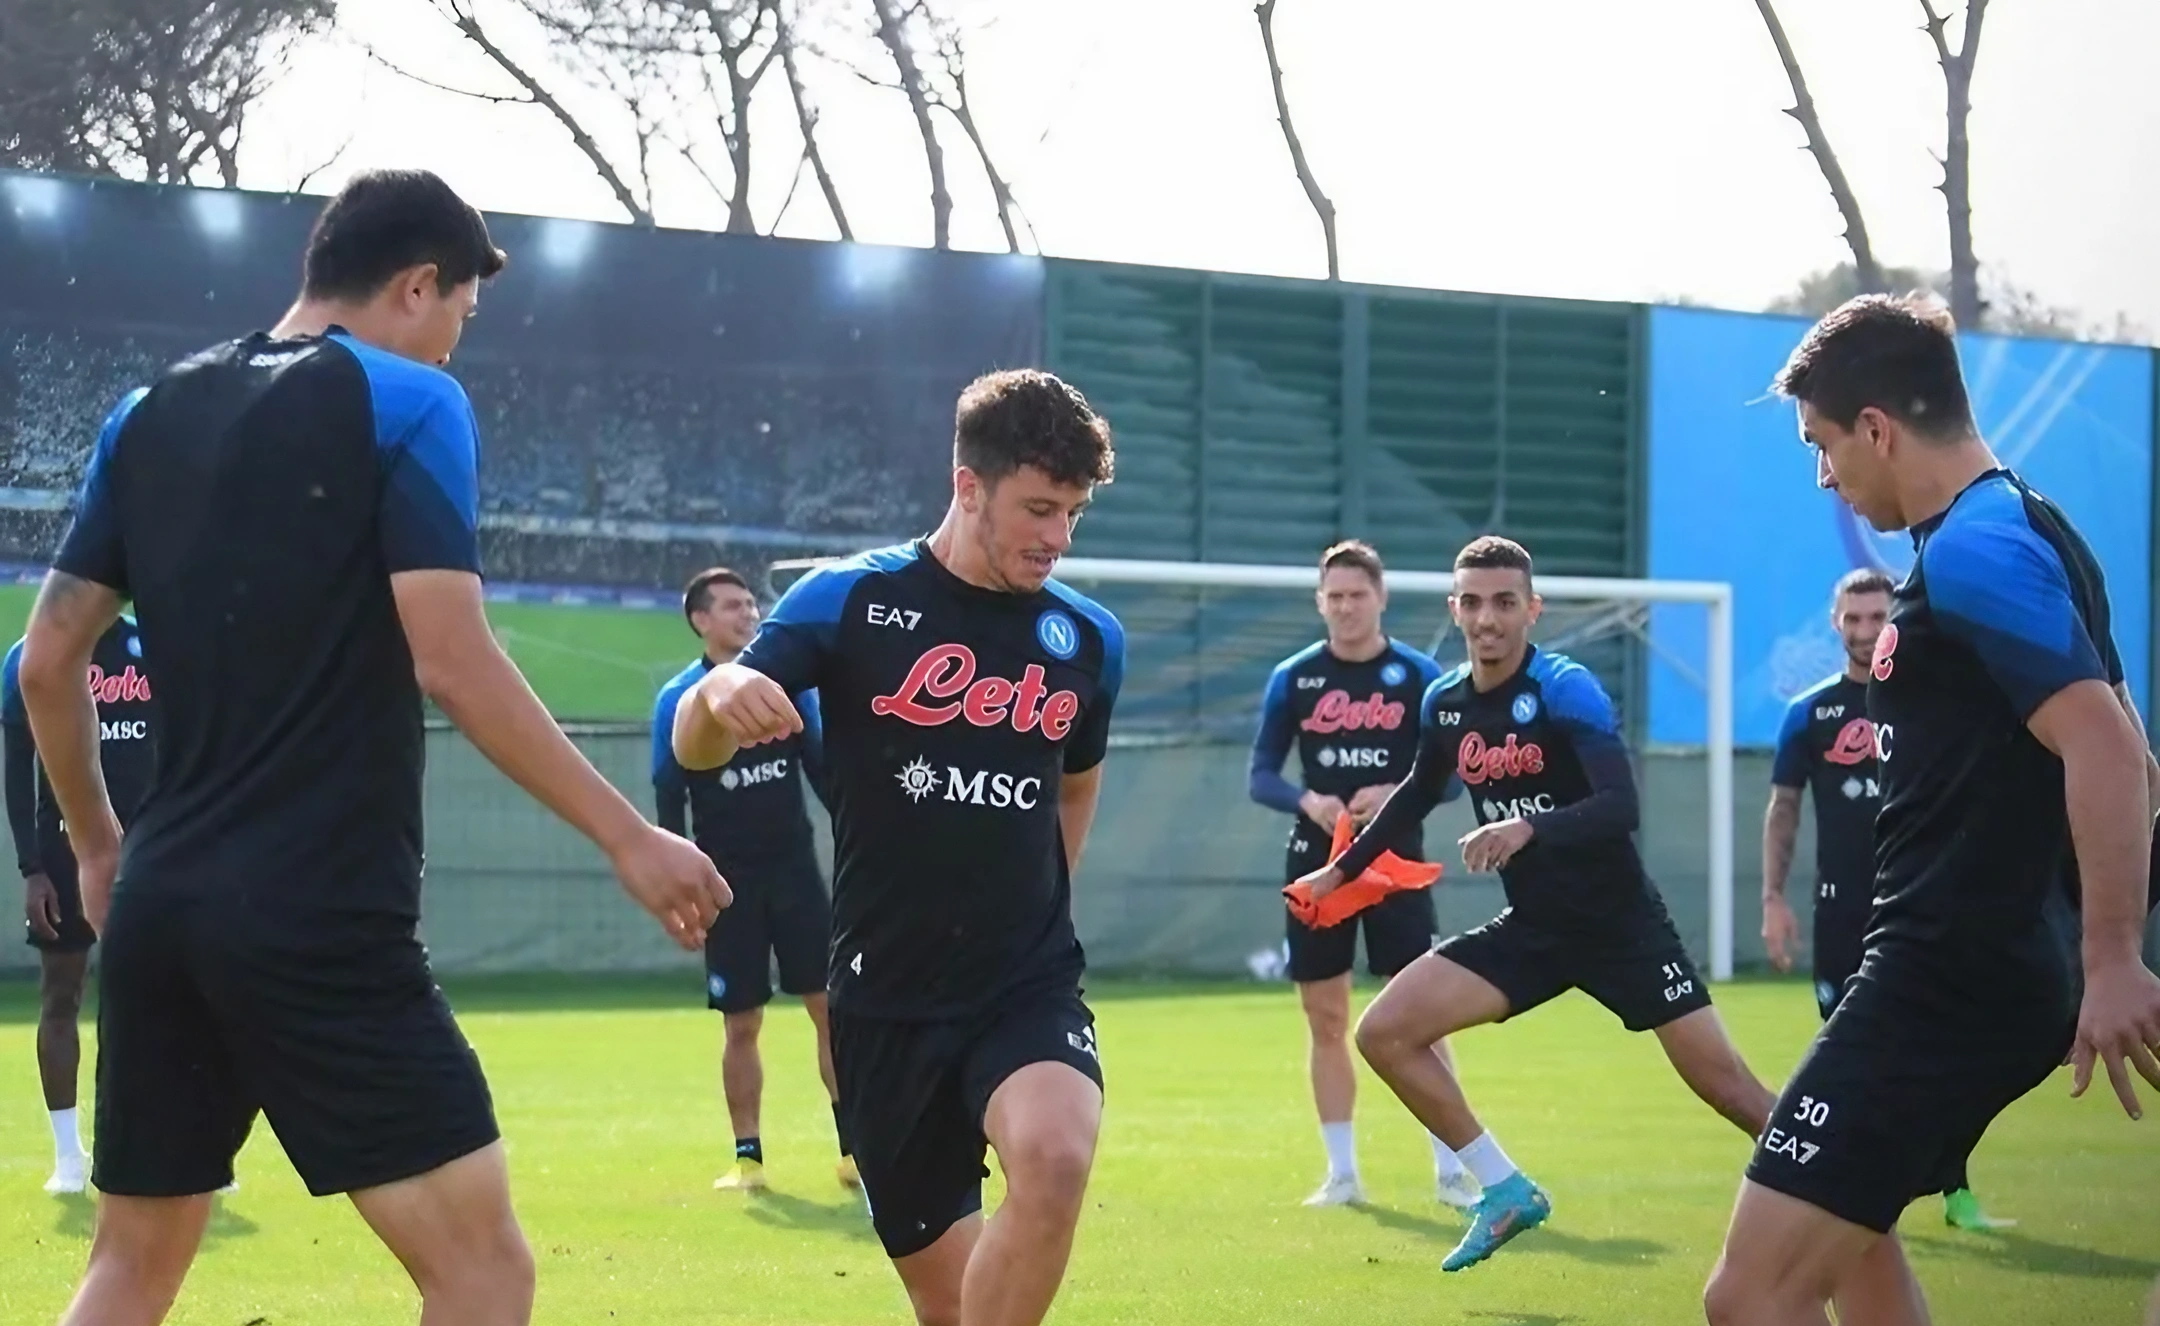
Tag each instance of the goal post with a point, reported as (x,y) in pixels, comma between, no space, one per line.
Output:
(1208,632)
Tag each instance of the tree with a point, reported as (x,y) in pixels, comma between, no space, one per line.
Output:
(785,30)
(155,90)
(893,33)
(1265,13)
(1866,270)
(1957,66)
(1819,292)
(2012,309)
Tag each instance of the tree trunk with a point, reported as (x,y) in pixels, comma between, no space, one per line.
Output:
(892,31)
(1867,272)
(1966,305)
(1265,12)
(999,188)
(806,118)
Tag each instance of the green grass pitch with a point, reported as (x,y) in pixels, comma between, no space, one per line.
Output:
(608,1094)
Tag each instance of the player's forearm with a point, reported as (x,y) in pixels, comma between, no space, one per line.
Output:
(21,777)
(1078,795)
(699,740)
(1612,810)
(2111,829)
(1269,788)
(1403,811)
(1781,836)
(63,717)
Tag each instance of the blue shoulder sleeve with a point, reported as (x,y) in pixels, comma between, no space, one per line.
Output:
(2001,590)
(1791,765)
(795,639)
(430,448)
(1264,781)
(1579,704)
(12,711)
(671,786)
(1432,754)
(1090,740)
(814,768)
(93,548)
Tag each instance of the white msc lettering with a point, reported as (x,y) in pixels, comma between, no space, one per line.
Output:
(1003,790)
(1358,757)
(134,729)
(904,618)
(771,771)
(1883,733)
(1519,808)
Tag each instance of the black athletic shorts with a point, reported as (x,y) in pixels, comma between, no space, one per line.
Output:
(1399,929)
(1633,963)
(76,936)
(781,916)
(913,1096)
(1840,935)
(1896,1092)
(210,1009)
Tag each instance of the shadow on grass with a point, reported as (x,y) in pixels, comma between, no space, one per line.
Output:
(1519,1318)
(779,1210)
(78,1219)
(2009,1250)
(1544,1239)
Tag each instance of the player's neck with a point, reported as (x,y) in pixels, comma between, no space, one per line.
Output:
(1856,671)
(963,557)
(1363,649)
(315,317)
(721,657)
(1930,484)
(1485,676)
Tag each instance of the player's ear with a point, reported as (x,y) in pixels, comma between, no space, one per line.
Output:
(1537,605)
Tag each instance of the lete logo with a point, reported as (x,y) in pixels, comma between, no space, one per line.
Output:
(1477,763)
(949,670)
(1337,712)
(128,686)
(1855,744)
(1885,654)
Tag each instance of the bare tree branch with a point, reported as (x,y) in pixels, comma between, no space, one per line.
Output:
(1966,305)
(498,98)
(308,177)
(806,119)
(1865,268)
(952,49)
(892,30)
(1265,13)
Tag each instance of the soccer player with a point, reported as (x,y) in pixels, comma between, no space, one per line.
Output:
(52,900)
(1533,739)
(2009,750)
(751,816)
(1351,703)
(293,514)
(1826,741)
(966,700)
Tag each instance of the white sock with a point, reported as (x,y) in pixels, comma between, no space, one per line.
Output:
(1341,1150)
(67,1139)
(1487,1163)
(1445,1163)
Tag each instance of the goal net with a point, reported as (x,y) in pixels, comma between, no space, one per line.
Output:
(1182,867)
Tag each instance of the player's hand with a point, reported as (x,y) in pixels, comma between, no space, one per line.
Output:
(669,877)
(1322,882)
(1494,845)
(41,905)
(1366,802)
(1780,930)
(2119,1027)
(748,705)
(1322,809)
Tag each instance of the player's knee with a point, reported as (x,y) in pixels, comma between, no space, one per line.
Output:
(1330,1026)
(1051,1167)
(1382,1038)
(743,1027)
(492,1273)
(1727,1301)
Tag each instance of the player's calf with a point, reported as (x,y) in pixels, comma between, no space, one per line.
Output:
(1710,1064)
(1784,1260)
(454,1232)
(138,1259)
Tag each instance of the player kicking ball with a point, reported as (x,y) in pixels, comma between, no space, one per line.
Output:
(1533,739)
(1827,743)
(966,700)
(2009,753)
(1350,705)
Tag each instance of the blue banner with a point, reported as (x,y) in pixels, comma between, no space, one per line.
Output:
(1733,498)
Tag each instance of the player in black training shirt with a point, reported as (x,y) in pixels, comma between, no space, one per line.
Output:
(1350,706)
(52,901)
(2017,790)
(1532,739)
(293,515)
(750,818)
(966,699)
(1827,743)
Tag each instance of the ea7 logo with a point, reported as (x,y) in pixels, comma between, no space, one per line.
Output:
(1311,683)
(1829,711)
(1778,1142)
(904,618)
(1448,718)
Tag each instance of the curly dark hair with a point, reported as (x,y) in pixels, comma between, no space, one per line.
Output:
(1025,416)
(1491,552)
(1898,355)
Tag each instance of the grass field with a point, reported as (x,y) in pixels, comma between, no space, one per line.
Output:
(608,1095)
(586,662)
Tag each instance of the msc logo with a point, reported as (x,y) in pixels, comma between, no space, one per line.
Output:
(1855,788)
(1311,683)
(949,670)
(772,771)
(1883,733)
(128,686)
(124,730)
(981,788)
(1855,744)
(1352,757)
(1477,763)
(1885,654)
(904,618)
(1337,712)
(1519,808)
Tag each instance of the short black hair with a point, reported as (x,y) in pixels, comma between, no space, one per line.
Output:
(1898,355)
(385,221)
(697,595)
(1354,553)
(1491,552)
(1026,416)
(1866,580)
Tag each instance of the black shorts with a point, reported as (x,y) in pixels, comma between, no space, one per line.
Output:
(1632,963)
(1399,929)
(781,916)
(209,1010)
(1892,1098)
(913,1095)
(1840,935)
(76,936)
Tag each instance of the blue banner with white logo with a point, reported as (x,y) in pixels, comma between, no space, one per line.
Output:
(1733,498)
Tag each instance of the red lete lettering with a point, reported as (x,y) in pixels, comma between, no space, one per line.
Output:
(128,686)
(1885,654)
(1477,762)
(949,670)
(1337,712)
(1855,744)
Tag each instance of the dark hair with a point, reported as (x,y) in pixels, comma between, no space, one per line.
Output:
(1490,551)
(1353,553)
(1025,417)
(1866,580)
(1898,355)
(385,221)
(697,595)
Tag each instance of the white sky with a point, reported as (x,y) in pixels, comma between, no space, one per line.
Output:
(1562,147)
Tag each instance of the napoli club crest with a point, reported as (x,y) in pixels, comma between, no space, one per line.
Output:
(1525,707)
(1393,674)
(1057,634)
